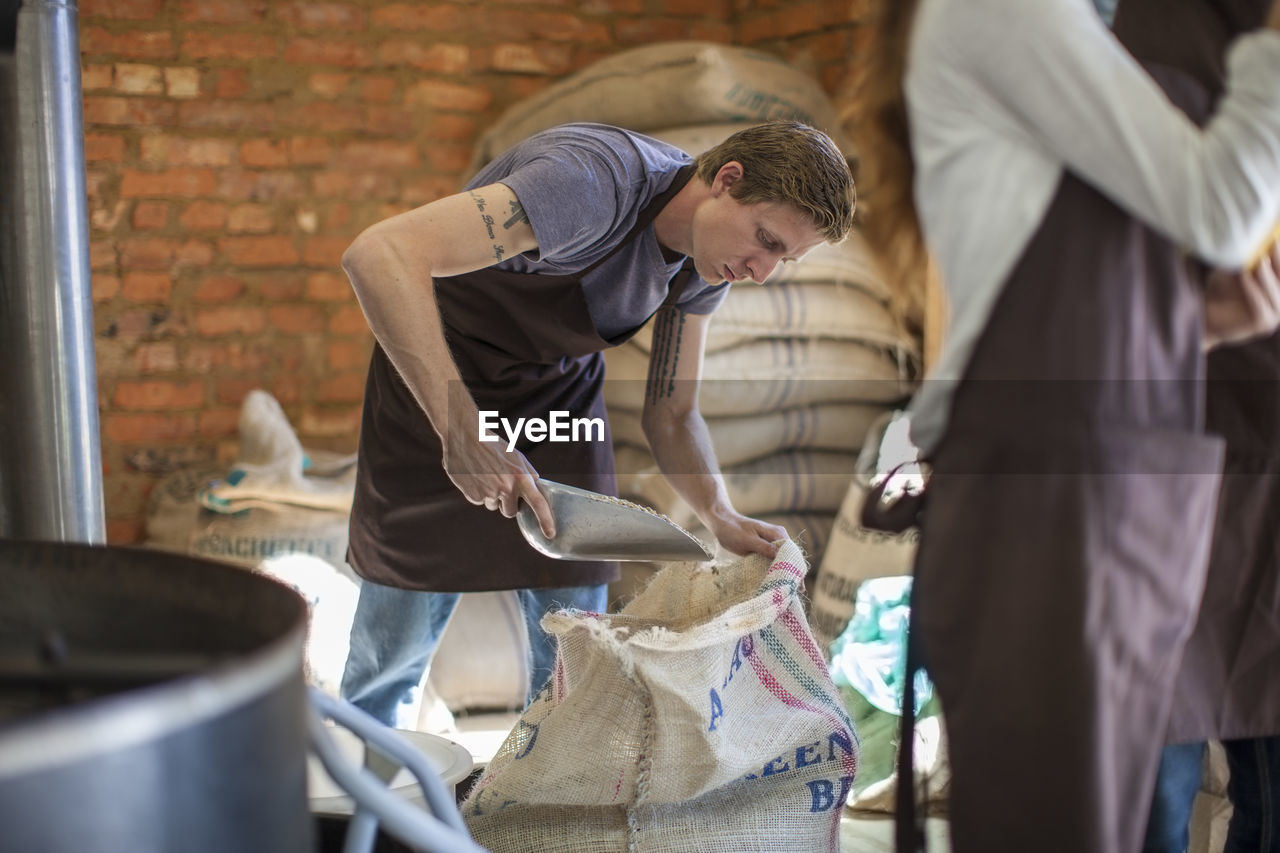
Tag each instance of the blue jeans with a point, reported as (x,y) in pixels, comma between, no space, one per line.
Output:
(395,633)
(1254,791)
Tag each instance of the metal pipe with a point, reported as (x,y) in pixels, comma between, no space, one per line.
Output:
(50,451)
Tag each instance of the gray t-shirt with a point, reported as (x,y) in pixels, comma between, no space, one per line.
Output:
(583,187)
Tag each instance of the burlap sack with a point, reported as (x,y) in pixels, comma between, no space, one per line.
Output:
(803,309)
(854,554)
(669,84)
(829,426)
(700,718)
(767,374)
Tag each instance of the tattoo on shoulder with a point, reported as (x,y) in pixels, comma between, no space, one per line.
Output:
(664,355)
(498,251)
(517,215)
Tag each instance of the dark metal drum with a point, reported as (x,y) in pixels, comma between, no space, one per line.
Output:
(149,702)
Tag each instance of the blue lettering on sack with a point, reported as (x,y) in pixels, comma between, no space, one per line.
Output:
(822,793)
(839,745)
(741,650)
(533,738)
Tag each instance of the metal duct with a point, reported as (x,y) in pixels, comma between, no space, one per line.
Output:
(50,457)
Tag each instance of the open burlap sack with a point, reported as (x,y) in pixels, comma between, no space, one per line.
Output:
(699,718)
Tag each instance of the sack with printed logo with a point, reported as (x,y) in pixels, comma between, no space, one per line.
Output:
(700,717)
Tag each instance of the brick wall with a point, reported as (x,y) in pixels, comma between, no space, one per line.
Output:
(234,148)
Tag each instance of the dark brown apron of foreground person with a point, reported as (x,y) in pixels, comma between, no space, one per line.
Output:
(1229,684)
(1066,535)
(530,349)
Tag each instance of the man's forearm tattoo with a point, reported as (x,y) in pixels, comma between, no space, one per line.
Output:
(498,249)
(664,356)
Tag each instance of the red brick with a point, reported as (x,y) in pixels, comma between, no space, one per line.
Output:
(135,44)
(217,423)
(647,30)
(134,79)
(552,26)
(532,59)
(246,185)
(218,288)
(309,151)
(322,16)
(329,422)
(281,288)
(102,254)
(203,45)
(286,389)
(204,216)
(182,82)
(711,31)
(146,286)
(134,10)
(348,320)
(411,16)
(231,83)
(328,287)
(455,128)
(328,85)
(325,251)
(237,355)
(229,320)
(235,389)
(184,183)
(127,111)
(259,251)
(140,429)
(264,152)
(226,115)
(348,355)
(251,219)
(161,254)
(103,147)
(393,120)
(159,394)
(448,96)
(102,217)
(104,286)
(438,57)
(344,388)
(147,323)
(604,7)
(149,215)
(718,9)
(325,117)
(224,11)
(377,88)
(125,531)
(96,77)
(379,155)
(158,357)
(164,150)
(296,319)
(449,157)
(344,54)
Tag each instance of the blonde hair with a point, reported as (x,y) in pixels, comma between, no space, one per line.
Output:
(876,120)
(789,162)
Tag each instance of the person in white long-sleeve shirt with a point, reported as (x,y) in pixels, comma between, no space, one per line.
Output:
(1072,202)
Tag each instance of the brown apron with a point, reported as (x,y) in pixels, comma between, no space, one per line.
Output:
(1229,683)
(529,348)
(1064,544)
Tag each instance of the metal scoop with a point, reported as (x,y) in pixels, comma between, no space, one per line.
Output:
(592,526)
